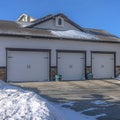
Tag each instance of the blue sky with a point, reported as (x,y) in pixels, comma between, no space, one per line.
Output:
(100,14)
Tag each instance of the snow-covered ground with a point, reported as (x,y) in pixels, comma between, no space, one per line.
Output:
(74,34)
(69,114)
(19,104)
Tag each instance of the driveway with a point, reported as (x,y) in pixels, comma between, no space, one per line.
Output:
(91,97)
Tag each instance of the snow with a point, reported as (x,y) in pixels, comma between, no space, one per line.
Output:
(74,34)
(19,104)
(69,114)
(23,24)
(98,102)
(89,109)
(100,115)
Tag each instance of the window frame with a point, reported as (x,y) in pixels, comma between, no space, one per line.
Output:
(59,22)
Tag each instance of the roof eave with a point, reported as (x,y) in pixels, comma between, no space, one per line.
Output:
(55,38)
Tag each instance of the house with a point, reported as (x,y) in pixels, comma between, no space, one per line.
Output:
(54,44)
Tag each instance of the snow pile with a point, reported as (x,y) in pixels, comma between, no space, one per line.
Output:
(74,34)
(19,104)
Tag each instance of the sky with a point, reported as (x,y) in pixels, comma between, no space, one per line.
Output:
(98,14)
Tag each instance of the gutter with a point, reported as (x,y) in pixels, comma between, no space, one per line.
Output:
(55,38)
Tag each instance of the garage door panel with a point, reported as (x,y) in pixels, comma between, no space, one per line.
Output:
(103,65)
(71,65)
(28,66)
(17,73)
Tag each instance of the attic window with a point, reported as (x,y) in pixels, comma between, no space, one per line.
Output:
(59,22)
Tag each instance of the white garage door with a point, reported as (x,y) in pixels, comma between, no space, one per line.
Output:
(71,65)
(27,66)
(103,65)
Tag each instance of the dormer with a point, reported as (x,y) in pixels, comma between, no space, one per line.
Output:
(25,18)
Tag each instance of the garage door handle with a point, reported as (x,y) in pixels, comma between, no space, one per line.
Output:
(10,57)
(45,57)
(102,66)
(28,66)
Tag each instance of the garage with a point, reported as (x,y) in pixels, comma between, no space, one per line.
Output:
(103,65)
(71,65)
(27,65)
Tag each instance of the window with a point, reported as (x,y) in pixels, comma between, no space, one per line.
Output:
(59,22)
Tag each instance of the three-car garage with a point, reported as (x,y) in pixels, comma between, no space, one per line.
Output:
(34,65)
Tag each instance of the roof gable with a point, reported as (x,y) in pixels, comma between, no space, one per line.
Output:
(49,22)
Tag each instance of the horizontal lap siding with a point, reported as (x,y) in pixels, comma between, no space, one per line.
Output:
(53,45)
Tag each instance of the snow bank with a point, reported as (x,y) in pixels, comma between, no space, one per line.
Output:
(74,34)
(19,104)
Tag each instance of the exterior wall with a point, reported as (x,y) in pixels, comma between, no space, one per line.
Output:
(88,69)
(3,73)
(50,24)
(53,72)
(14,42)
(117,70)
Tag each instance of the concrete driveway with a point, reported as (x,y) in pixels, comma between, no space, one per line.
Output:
(91,97)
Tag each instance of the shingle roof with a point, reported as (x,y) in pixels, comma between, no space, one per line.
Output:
(10,27)
(13,28)
(102,34)
(42,19)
